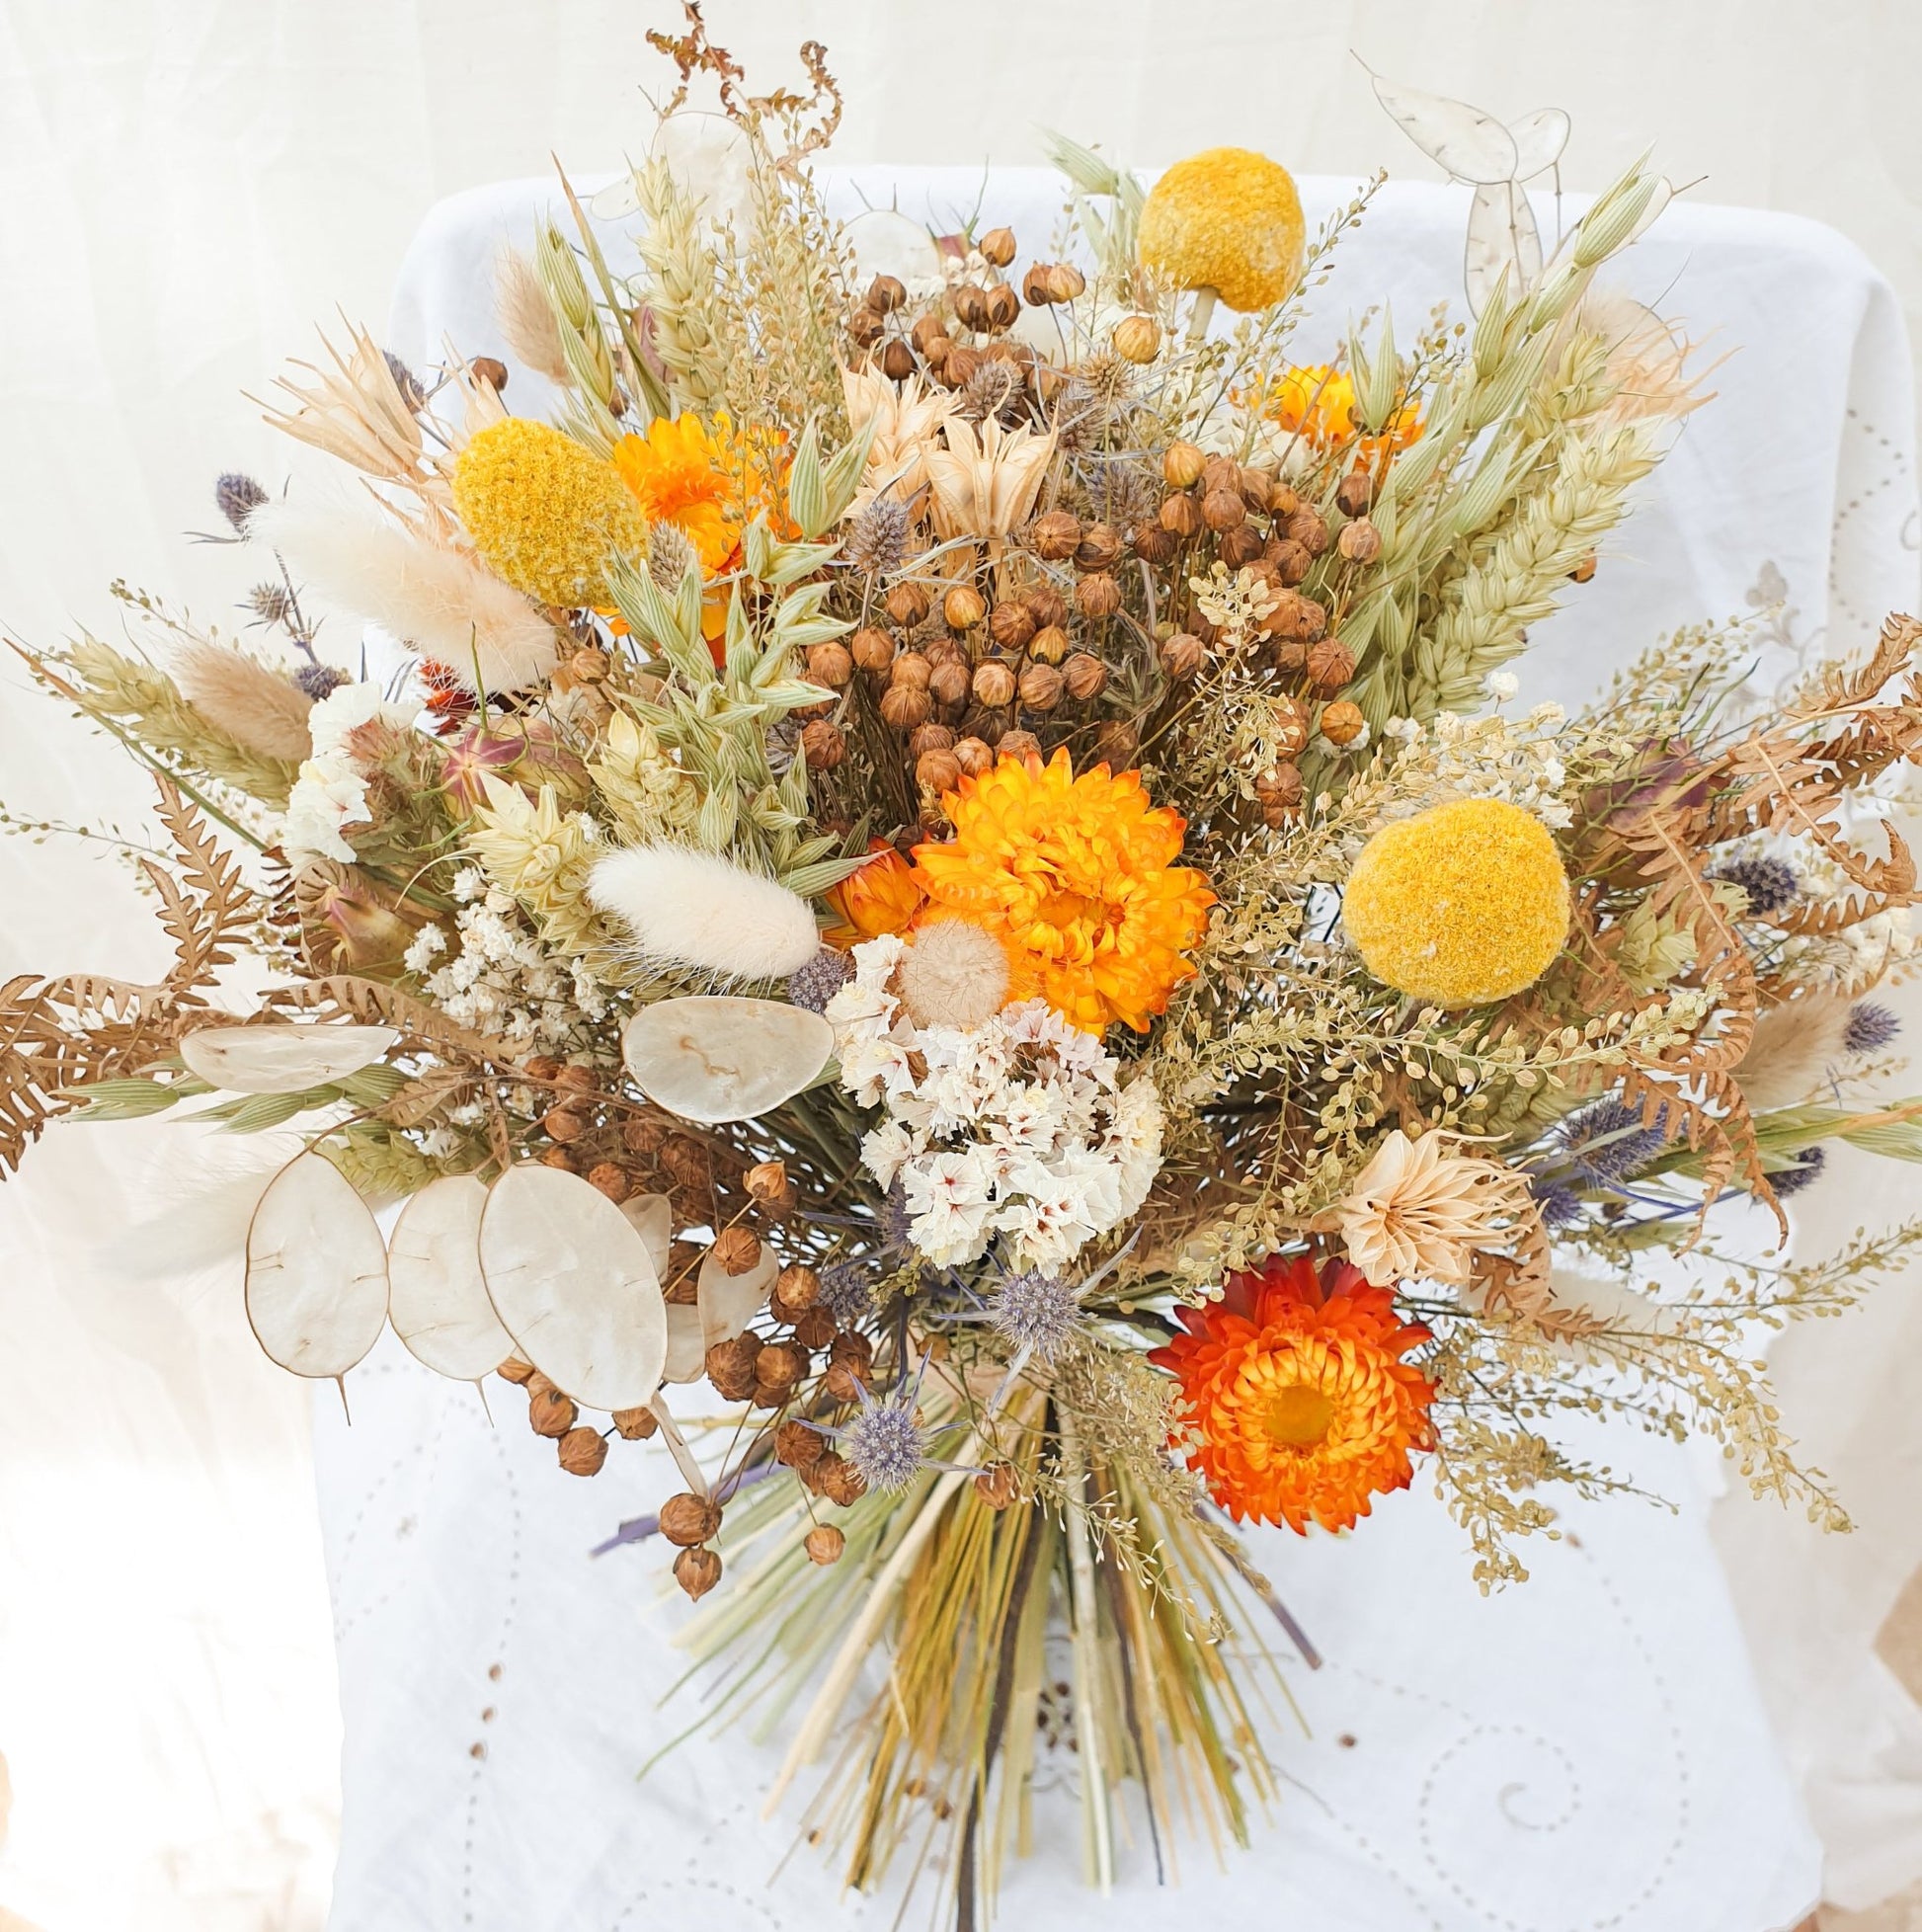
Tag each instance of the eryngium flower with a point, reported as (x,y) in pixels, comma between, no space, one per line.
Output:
(885,1444)
(238,497)
(1558,1203)
(1036,1312)
(1809,1166)
(1768,884)
(819,979)
(317,680)
(1609,1141)
(845,1291)
(1870,1027)
(878,540)
(269,603)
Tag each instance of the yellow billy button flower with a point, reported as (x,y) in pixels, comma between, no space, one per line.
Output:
(1226,219)
(1075,878)
(545,512)
(1460,905)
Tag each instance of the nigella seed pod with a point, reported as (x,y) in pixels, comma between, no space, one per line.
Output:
(696,1571)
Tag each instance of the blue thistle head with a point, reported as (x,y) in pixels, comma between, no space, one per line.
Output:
(317,680)
(1768,884)
(847,1292)
(1807,1169)
(1558,1203)
(238,497)
(1609,1141)
(1870,1027)
(1036,1312)
(884,1443)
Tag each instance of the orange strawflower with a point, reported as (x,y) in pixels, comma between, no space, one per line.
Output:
(1316,402)
(1295,1386)
(884,896)
(1077,879)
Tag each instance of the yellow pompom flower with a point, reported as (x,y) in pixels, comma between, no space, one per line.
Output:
(545,512)
(1460,905)
(1226,219)
(1075,878)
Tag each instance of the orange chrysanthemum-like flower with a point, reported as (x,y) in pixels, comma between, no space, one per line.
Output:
(1316,402)
(1296,1389)
(884,896)
(1077,879)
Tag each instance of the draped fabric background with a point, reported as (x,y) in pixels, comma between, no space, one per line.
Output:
(186,187)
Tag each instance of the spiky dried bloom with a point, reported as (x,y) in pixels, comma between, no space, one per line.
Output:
(271,603)
(238,497)
(1804,1171)
(529,324)
(353,410)
(1421,1209)
(1768,884)
(263,709)
(1870,1027)
(877,540)
(1609,1141)
(318,680)
(671,554)
(846,1291)
(993,390)
(819,979)
(1035,1311)
(884,1443)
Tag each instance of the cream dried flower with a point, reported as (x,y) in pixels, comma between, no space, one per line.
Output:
(1421,1208)
(908,423)
(355,411)
(985,481)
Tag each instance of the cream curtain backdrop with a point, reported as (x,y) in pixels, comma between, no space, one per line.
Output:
(186,187)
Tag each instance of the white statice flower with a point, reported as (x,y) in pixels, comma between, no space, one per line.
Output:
(1017,1131)
(331,792)
(1501,685)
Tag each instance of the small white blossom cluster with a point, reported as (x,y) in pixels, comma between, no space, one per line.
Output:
(1518,760)
(501,980)
(330,790)
(1018,1128)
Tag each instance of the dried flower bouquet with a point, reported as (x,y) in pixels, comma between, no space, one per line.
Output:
(942,864)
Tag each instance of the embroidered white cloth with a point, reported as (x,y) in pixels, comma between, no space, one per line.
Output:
(1588,1750)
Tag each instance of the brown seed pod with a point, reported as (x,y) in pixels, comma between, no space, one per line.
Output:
(1360,541)
(1099,547)
(550,1412)
(1018,743)
(996,247)
(1011,624)
(736,1250)
(796,1287)
(589,664)
(824,1544)
(1290,559)
(1182,464)
(822,745)
(1137,339)
(874,650)
(973,756)
(1097,596)
(1223,509)
(1065,283)
(1309,528)
(1153,546)
(642,1135)
(1355,493)
(1180,516)
(1341,722)
(934,352)
(564,1124)
(885,295)
(839,1480)
(514,1370)
(780,1365)
(906,605)
(950,681)
(1040,687)
(853,1346)
(610,1179)
(796,1446)
(963,607)
(958,366)
(994,685)
(1182,655)
(730,1366)
(1283,500)
(1054,536)
(910,672)
(1086,677)
(577,1079)
(815,1329)
(696,1571)
(1289,729)
(999,1484)
(940,649)
(1315,619)
(486,369)
(866,325)
(1584,570)
(931,738)
(1221,473)
(1045,605)
(905,707)
(897,359)
(582,1451)
(1004,306)
(927,330)
(543,1065)
(1257,486)
(971,306)
(1116,744)
(1239,546)
(938,771)
(831,666)
(844,1381)
(1288,617)
(558,1157)
(1330,664)
(635,1424)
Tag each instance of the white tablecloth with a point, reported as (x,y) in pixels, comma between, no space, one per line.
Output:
(1586,1751)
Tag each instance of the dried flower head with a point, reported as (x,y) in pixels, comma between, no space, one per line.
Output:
(846,1291)
(1421,1209)
(819,979)
(1609,1141)
(877,539)
(884,1443)
(1870,1027)
(1226,219)
(1767,884)
(1035,1311)
(238,496)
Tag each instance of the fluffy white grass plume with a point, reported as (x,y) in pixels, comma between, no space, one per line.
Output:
(527,317)
(445,603)
(954,974)
(190,1204)
(1793,1051)
(687,908)
(256,706)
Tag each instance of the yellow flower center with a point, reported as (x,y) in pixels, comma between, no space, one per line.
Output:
(1297,1417)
